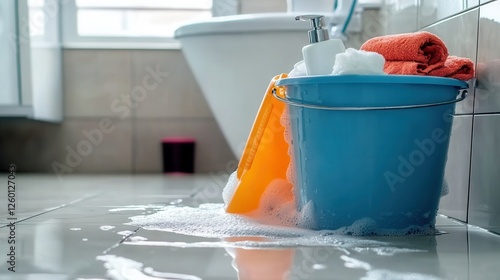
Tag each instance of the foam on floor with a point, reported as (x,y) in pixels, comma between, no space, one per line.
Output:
(105,228)
(212,221)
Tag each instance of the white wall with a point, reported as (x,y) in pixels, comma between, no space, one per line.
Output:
(9,90)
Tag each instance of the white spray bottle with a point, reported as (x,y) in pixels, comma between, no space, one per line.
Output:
(319,55)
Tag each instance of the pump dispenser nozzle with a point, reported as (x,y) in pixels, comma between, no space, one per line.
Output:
(319,55)
(317,33)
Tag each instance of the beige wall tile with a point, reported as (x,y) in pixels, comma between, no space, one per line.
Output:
(172,91)
(97,145)
(212,151)
(262,6)
(32,146)
(94,80)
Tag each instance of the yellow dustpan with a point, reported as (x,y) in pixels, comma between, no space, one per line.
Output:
(265,157)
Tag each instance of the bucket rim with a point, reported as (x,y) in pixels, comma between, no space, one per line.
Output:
(286,100)
(373,79)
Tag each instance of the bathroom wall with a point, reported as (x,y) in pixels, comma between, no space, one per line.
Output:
(262,6)
(484,201)
(471,28)
(233,7)
(104,131)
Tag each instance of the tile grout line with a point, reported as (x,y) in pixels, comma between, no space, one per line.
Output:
(468,252)
(192,195)
(54,208)
(467,209)
(458,14)
(134,134)
(106,251)
(121,241)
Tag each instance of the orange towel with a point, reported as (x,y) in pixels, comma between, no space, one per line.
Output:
(410,53)
(455,67)
(419,53)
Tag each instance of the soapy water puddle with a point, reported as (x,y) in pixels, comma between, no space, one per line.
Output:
(276,217)
(208,226)
(211,221)
(215,228)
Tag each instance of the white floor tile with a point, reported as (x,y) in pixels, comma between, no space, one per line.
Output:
(86,237)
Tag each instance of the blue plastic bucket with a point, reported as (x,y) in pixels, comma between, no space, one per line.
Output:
(370,146)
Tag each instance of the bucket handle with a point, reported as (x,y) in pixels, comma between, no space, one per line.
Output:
(279,93)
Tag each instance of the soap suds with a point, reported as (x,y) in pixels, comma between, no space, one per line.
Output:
(277,207)
(106,227)
(367,226)
(355,263)
(175,202)
(137,238)
(444,188)
(287,134)
(125,232)
(211,221)
(136,208)
(318,266)
(231,185)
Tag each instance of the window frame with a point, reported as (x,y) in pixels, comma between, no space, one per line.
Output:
(72,40)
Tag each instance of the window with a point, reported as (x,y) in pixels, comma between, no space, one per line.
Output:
(36,18)
(119,21)
(41,25)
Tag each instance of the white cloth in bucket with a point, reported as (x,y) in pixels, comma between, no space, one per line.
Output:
(299,70)
(359,62)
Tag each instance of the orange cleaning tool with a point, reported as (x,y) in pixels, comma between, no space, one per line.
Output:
(265,157)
